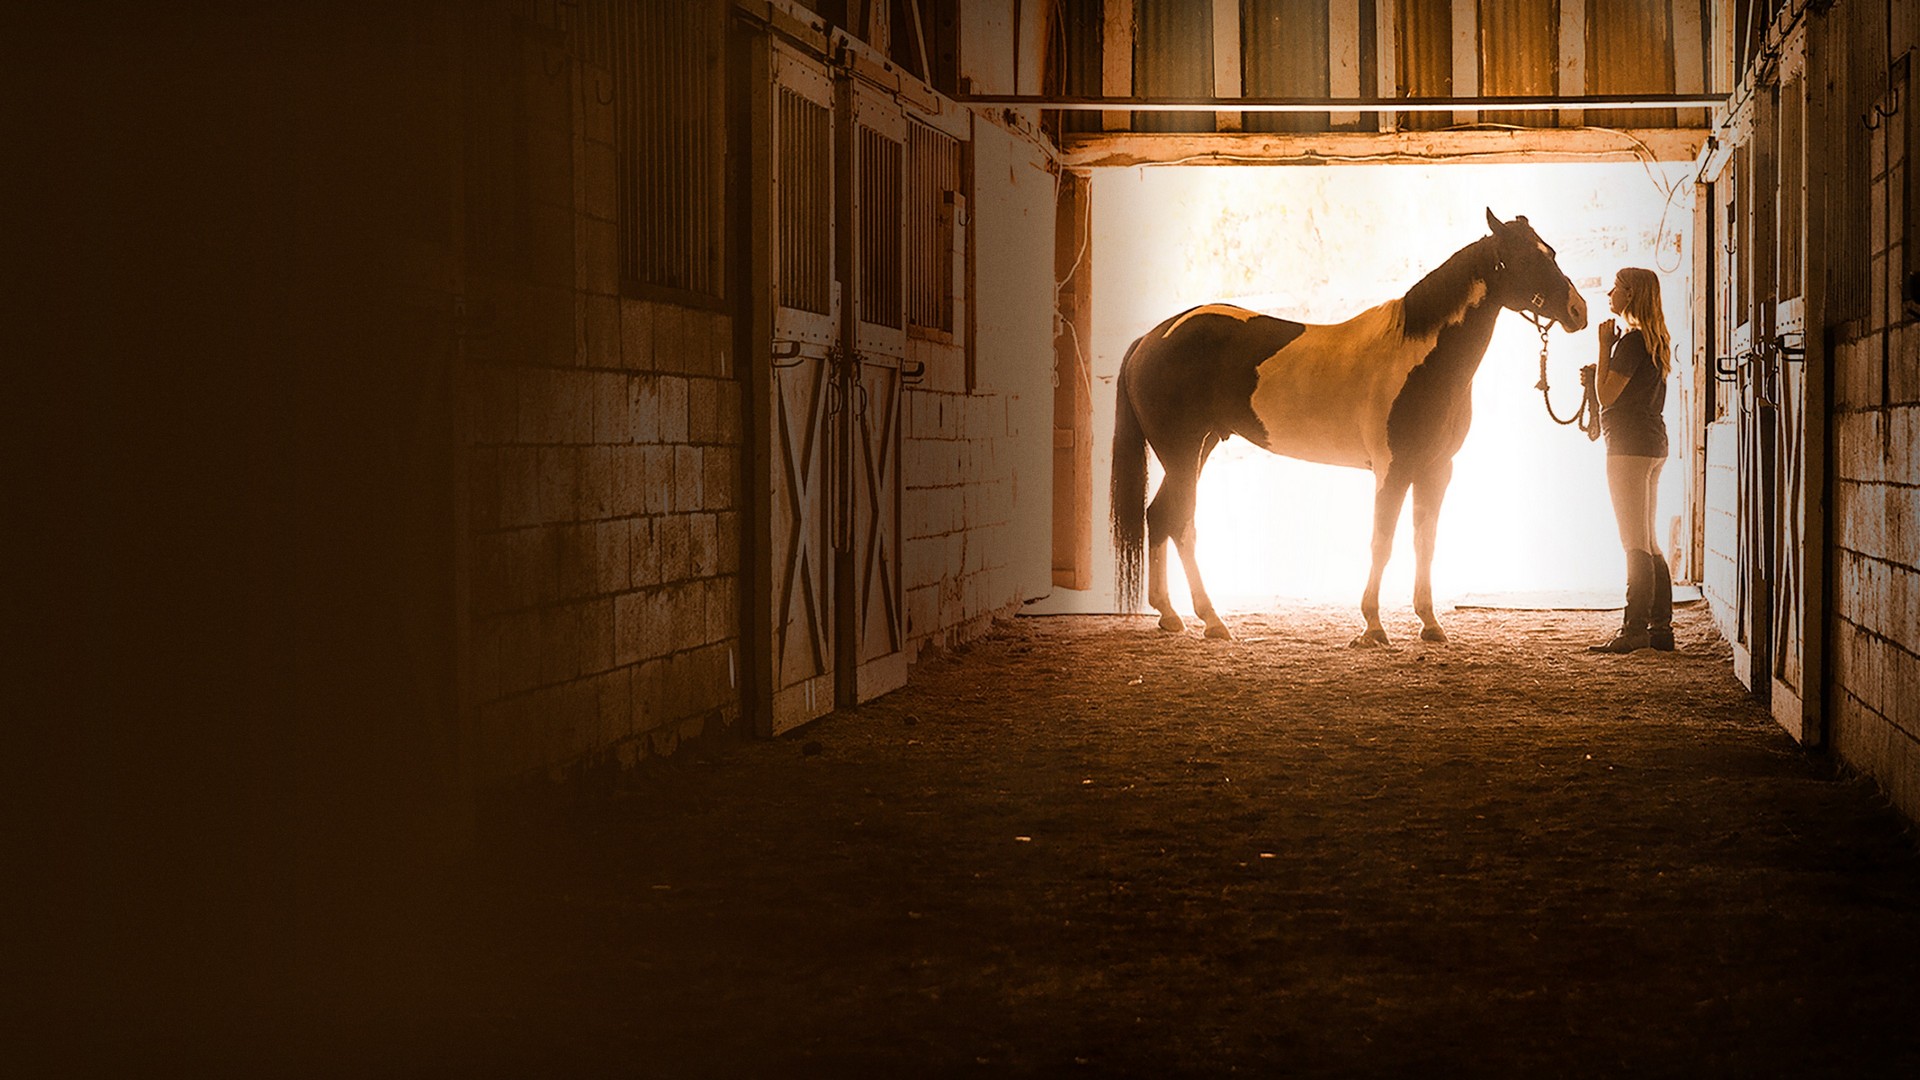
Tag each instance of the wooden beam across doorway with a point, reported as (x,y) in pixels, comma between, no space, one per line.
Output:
(1503,146)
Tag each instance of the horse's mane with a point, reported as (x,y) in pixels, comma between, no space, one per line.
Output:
(1440,295)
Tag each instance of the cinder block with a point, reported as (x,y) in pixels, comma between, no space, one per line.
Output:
(657,487)
(670,351)
(577,555)
(636,335)
(629,628)
(704,544)
(727,427)
(600,481)
(643,552)
(557,483)
(601,344)
(559,643)
(703,408)
(673,537)
(596,640)
(612,407)
(723,610)
(488,582)
(483,489)
(629,479)
(727,542)
(673,409)
(612,542)
(689,478)
(717,487)
(643,410)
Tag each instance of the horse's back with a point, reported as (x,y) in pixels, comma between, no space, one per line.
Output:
(1195,372)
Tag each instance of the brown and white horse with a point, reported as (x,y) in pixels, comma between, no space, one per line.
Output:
(1388,390)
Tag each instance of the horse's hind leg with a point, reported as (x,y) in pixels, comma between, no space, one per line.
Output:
(1185,540)
(1388,497)
(1428,491)
(1161,513)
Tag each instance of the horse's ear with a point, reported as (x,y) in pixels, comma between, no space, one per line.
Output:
(1493,223)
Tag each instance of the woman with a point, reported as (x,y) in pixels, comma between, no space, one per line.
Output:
(1631,378)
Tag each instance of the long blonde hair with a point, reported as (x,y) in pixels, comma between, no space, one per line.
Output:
(1643,310)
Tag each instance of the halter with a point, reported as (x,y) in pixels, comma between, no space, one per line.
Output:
(1588,414)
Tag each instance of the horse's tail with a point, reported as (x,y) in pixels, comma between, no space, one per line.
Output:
(1127,491)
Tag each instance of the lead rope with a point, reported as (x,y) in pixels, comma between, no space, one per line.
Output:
(1587,416)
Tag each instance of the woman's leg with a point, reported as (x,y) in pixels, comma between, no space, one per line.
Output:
(1628,483)
(1660,608)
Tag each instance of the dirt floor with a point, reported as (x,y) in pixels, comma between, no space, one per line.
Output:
(1086,847)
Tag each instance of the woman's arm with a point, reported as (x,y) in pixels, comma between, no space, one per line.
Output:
(1608,382)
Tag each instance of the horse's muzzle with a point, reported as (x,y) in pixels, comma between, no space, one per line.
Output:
(1576,319)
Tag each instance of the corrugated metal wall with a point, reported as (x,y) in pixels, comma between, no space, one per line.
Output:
(1519,49)
(1424,58)
(1283,53)
(1630,51)
(1173,57)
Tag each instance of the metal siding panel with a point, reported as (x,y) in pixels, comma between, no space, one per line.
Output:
(1630,51)
(1519,49)
(1173,57)
(1424,58)
(1283,45)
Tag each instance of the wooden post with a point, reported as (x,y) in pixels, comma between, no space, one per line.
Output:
(1116,62)
(1386,61)
(1466,56)
(1572,72)
(1226,60)
(1343,58)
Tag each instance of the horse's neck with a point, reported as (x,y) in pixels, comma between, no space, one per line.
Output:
(1451,292)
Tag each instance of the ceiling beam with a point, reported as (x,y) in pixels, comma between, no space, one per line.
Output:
(1473,146)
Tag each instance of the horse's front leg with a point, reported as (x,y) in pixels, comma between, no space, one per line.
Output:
(1169,513)
(1428,491)
(1389,495)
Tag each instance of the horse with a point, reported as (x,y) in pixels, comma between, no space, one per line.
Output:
(1388,390)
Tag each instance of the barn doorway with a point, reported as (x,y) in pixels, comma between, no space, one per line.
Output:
(1527,514)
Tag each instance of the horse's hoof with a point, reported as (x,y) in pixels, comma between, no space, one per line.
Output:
(1173,624)
(1432,633)
(1219,632)
(1372,639)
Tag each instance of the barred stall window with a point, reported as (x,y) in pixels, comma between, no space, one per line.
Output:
(1851,91)
(1792,173)
(803,142)
(669,139)
(880,179)
(934,203)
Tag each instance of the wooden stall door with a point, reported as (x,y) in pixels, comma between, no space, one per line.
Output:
(1784,365)
(806,338)
(871,600)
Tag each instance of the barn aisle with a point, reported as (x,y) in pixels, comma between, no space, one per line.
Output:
(1083,847)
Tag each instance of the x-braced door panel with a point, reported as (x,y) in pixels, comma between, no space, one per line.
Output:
(806,333)
(872,603)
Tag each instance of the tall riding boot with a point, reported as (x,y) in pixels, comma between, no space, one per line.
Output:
(1633,624)
(1660,610)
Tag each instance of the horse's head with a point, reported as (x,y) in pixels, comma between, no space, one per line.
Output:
(1527,279)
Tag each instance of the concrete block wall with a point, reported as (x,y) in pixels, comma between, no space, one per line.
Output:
(604,464)
(1874,700)
(1718,578)
(955,506)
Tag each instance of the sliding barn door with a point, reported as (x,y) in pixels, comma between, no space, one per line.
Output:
(871,598)
(807,328)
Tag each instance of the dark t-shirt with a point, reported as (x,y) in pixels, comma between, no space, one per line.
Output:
(1633,424)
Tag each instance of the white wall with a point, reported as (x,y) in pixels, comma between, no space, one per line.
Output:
(1528,508)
